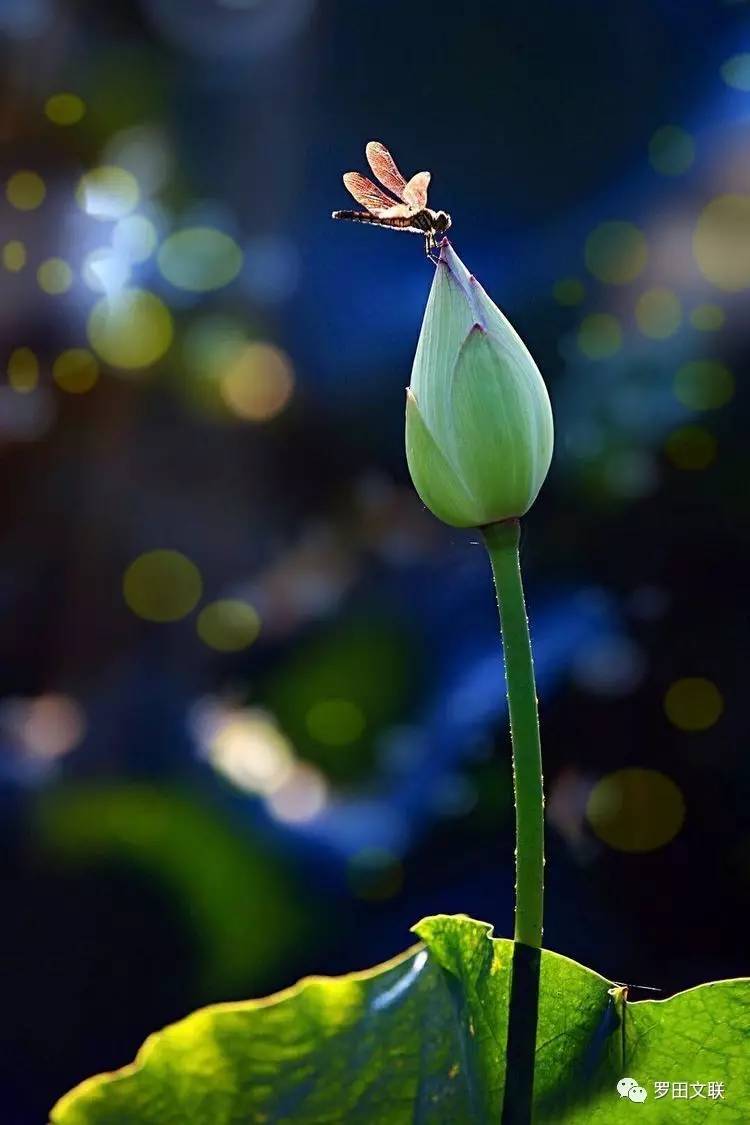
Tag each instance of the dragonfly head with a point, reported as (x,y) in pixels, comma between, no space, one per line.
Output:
(442,222)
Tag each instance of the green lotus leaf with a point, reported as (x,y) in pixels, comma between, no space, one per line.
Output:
(422,1039)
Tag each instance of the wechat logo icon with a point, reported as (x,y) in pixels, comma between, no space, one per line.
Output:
(629,1088)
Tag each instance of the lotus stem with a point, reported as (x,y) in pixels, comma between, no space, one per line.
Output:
(502,541)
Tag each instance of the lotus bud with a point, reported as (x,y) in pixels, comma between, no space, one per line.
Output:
(479,431)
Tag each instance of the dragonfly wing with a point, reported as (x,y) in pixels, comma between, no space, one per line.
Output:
(384,168)
(368,194)
(415,192)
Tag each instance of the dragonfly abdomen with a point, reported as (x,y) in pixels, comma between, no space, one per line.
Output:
(400,223)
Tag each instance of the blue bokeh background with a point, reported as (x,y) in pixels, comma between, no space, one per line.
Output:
(185,824)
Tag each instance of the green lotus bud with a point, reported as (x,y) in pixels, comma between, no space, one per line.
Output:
(479,429)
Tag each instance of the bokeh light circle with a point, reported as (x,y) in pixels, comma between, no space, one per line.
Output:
(658,313)
(162,585)
(569,291)
(23,370)
(616,252)
(107,192)
(721,242)
(708,318)
(250,750)
(135,238)
(146,151)
(54,276)
(105,271)
(130,331)
(693,703)
(210,343)
(75,370)
(301,797)
(228,625)
(704,384)
(599,335)
(671,150)
(736,71)
(636,810)
(64,109)
(691,447)
(46,726)
(199,259)
(258,382)
(25,190)
(335,722)
(630,472)
(14,255)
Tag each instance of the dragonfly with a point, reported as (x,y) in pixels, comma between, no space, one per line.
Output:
(620,990)
(405,209)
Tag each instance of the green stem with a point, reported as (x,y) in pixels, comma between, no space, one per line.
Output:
(501,540)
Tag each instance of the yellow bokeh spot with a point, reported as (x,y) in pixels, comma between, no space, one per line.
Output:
(54,276)
(107,192)
(721,242)
(335,722)
(228,625)
(257,382)
(671,150)
(75,370)
(14,255)
(708,318)
(599,335)
(693,703)
(135,238)
(636,810)
(658,313)
(64,109)
(23,370)
(616,252)
(704,384)
(568,291)
(736,71)
(132,330)
(199,259)
(25,190)
(691,447)
(162,586)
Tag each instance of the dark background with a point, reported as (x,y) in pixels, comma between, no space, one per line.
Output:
(151,863)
